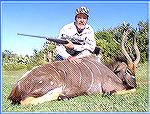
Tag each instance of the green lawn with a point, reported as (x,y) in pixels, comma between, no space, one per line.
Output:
(132,102)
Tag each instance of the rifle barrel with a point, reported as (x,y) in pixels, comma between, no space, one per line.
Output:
(31,35)
(59,41)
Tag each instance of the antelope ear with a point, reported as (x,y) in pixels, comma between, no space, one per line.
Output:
(121,67)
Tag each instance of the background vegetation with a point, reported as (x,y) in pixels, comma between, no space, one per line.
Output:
(14,66)
(108,40)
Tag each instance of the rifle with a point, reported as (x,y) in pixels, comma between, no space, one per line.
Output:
(63,40)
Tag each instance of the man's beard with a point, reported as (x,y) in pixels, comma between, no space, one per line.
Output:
(81,25)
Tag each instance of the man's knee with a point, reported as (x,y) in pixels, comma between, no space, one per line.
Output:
(58,58)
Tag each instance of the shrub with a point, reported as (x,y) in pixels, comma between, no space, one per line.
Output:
(12,66)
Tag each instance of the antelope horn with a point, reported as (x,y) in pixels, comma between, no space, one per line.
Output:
(137,52)
(124,40)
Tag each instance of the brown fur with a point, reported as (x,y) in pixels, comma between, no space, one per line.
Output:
(88,77)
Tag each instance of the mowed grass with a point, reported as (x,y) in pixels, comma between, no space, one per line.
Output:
(131,102)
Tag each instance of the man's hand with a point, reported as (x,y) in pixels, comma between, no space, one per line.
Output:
(70,45)
(74,60)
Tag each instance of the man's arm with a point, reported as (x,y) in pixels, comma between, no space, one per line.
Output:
(60,48)
(90,43)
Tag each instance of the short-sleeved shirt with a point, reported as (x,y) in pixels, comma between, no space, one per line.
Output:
(70,30)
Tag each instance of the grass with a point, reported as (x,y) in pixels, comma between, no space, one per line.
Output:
(132,102)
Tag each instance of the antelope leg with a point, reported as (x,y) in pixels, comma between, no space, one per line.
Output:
(52,95)
(125,91)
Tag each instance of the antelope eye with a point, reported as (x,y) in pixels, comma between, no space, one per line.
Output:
(116,72)
(133,76)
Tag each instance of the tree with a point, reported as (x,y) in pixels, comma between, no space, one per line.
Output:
(142,40)
(6,56)
(48,48)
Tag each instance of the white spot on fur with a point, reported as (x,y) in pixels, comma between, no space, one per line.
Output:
(133,76)
(40,82)
(52,83)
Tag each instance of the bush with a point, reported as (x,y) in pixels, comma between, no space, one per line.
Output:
(12,66)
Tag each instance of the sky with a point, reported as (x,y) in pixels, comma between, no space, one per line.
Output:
(47,18)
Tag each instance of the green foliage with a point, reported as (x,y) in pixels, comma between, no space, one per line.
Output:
(48,47)
(11,66)
(12,61)
(142,40)
(109,47)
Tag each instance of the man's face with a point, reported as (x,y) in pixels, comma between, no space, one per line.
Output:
(81,20)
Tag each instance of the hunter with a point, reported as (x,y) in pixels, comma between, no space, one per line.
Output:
(79,29)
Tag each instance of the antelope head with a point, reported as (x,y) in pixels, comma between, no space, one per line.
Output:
(131,65)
